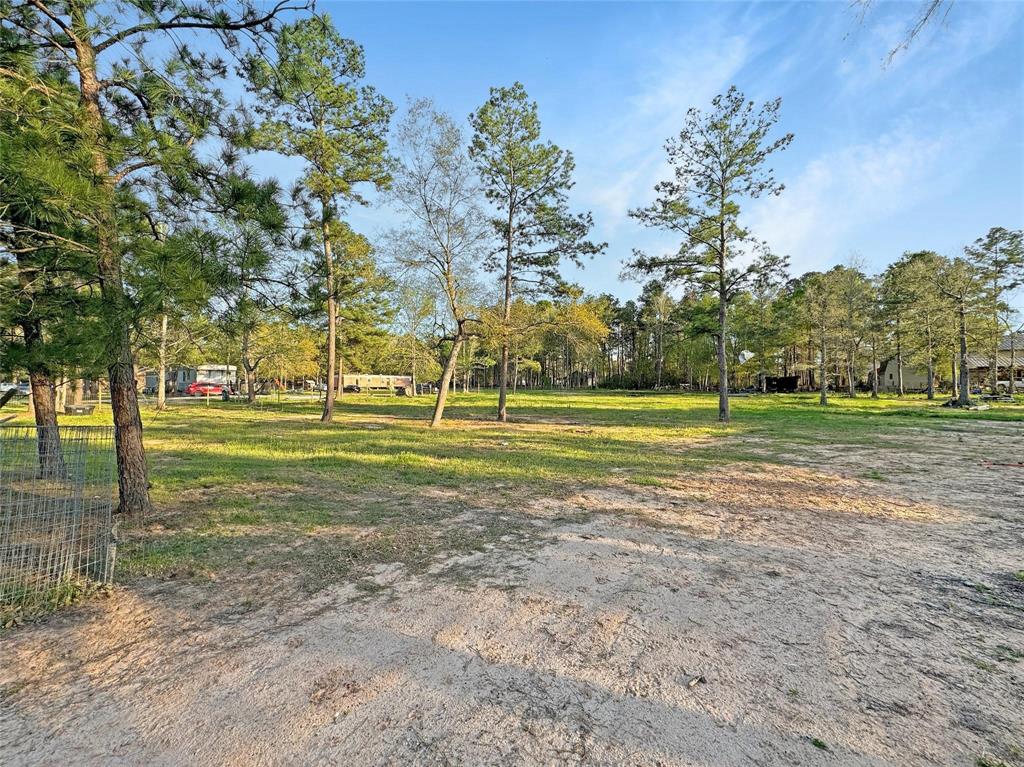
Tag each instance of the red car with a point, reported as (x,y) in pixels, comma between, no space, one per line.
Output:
(204,388)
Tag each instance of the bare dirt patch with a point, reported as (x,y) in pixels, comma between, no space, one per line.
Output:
(856,607)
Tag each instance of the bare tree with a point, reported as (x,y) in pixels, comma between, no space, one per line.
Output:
(926,13)
(446,229)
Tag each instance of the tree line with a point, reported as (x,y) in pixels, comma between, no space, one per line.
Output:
(134,230)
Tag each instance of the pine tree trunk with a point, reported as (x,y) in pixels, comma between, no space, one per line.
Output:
(248,369)
(133,483)
(41,399)
(507,316)
(332,323)
(51,457)
(723,365)
(161,385)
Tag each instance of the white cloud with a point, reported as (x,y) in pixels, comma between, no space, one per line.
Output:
(843,194)
(628,153)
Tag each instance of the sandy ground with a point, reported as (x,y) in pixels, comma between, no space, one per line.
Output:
(855,608)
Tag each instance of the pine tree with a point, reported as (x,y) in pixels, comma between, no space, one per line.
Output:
(528,181)
(313,106)
(718,160)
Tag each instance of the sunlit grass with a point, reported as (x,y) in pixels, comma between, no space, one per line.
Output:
(240,488)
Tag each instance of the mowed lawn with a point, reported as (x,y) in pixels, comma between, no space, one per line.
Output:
(239,489)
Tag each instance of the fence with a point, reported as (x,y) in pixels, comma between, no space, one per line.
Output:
(56,501)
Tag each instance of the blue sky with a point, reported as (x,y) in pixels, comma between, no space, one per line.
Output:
(925,153)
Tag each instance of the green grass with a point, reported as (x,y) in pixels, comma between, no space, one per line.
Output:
(26,605)
(240,489)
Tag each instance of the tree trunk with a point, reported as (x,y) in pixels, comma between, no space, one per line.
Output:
(851,386)
(953,380)
(995,337)
(51,457)
(965,371)
(723,365)
(341,364)
(931,362)
(874,371)
(248,369)
(1012,382)
(332,324)
(77,391)
(41,399)
(161,384)
(507,315)
(446,380)
(823,377)
(133,483)
(899,360)
(250,381)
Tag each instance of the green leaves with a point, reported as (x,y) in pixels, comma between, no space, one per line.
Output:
(311,105)
(718,159)
(528,181)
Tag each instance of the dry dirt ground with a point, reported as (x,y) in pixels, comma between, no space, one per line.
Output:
(852,607)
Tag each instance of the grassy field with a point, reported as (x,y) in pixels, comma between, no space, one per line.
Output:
(610,578)
(239,489)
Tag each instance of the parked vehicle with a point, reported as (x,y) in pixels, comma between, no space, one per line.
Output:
(24,388)
(205,389)
(1004,386)
(7,386)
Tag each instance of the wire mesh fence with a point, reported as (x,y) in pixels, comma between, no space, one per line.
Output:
(56,501)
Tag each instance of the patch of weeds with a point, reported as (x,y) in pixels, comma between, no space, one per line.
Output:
(190,553)
(419,543)
(11,689)
(819,743)
(874,474)
(793,693)
(979,663)
(1005,654)
(26,604)
(1019,576)
(367,588)
(244,518)
(987,760)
